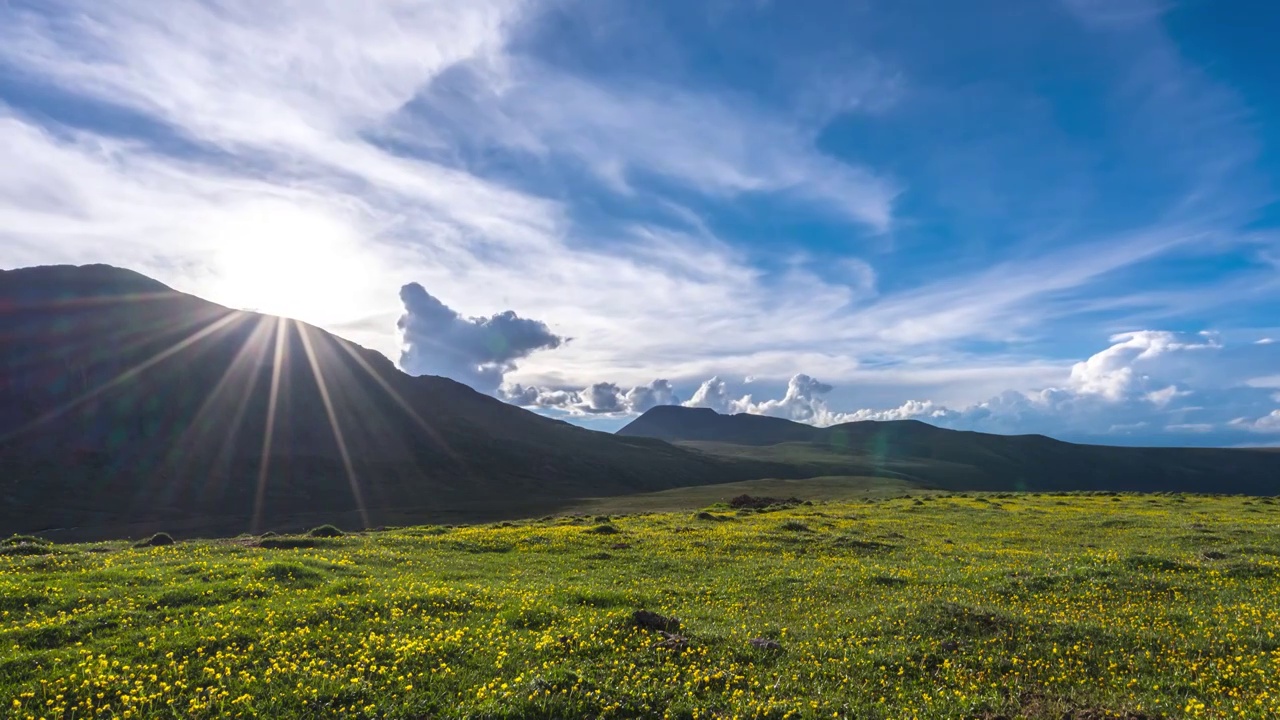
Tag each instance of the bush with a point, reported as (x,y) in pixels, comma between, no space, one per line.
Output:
(325,531)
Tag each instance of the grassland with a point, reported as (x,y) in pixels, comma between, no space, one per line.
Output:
(824,488)
(1038,606)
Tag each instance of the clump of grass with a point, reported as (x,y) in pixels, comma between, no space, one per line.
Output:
(794,526)
(13,540)
(160,539)
(325,531)
(605,529)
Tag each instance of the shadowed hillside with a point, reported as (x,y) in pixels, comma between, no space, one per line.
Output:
(935,457)
(125,402)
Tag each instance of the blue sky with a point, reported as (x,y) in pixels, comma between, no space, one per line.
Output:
(1011,216)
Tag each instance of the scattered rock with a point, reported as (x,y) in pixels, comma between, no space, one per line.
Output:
(764,644)
(672,641)
(653,621)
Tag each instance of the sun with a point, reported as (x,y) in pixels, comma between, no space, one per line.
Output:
(279,258)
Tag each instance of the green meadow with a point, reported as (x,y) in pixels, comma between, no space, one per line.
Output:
(1083,606)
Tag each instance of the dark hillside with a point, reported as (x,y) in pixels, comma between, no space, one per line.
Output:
(953,459)
(124,401)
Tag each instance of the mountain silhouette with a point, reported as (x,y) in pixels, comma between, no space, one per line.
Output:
(960,460)
(127,405)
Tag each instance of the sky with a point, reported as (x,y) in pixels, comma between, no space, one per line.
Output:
(1015,216)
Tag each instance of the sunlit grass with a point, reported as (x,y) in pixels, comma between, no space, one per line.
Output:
(1023,606)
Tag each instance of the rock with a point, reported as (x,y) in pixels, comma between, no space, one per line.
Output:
(752,502)
(653,621)
(672,641)
(764,644)
(949,646)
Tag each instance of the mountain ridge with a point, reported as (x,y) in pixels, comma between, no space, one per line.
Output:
(961,459)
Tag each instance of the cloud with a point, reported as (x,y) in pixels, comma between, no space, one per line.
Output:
(802,402)
(1147,386)
(1146,383)
(1111,373)
(644,397)
(602,398)
(712,394)
(478,351)
(1266,424)
(718,145)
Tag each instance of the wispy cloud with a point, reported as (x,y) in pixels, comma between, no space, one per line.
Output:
(719,145)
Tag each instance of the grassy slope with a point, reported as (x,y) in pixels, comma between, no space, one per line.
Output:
(825,488)
(1029,605)
(835,461)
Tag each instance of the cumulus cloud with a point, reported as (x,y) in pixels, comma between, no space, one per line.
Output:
(644,397)
(712,394)
(602,398)
(478,351)
(802,402)
(1146,386)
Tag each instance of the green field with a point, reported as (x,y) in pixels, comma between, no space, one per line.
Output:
(827,488)
(1037,606)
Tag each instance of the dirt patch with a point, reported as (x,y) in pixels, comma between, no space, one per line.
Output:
(649,620)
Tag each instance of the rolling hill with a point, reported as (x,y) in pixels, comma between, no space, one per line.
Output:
(935,457)
(126,406)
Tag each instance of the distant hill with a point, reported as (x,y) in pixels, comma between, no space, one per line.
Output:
(125,405)
(935,457)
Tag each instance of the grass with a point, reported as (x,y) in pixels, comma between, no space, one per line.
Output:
(692,498)
(1034,606)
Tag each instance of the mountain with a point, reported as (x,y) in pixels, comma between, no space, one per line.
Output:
(126,406)
(960,460)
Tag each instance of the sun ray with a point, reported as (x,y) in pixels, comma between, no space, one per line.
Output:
(402,403)
(268,433)
(123,377)
(247,358)
(333,423)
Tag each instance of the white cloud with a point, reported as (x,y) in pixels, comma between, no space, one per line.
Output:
(802,402)
(478,351)
(602,398)
(1266,424)
(1111,373)
(1135,388)
(712,394)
